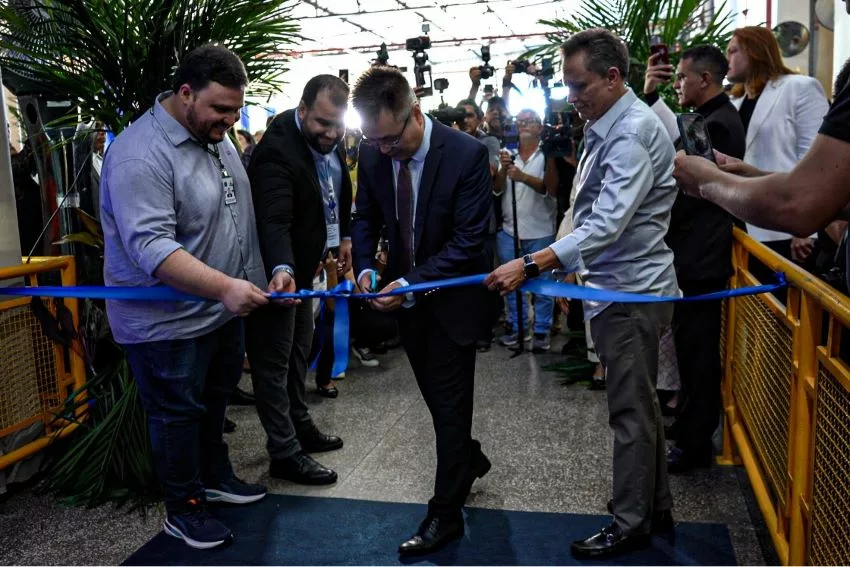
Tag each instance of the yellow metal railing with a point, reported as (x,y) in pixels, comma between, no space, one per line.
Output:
(786,395)
(36,374)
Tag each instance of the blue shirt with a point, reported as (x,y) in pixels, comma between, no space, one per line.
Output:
(162,191)
(622,209)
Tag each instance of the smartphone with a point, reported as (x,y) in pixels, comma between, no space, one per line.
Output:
(695,138)
(662,49)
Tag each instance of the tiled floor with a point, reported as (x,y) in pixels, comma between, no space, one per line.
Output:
(550,446)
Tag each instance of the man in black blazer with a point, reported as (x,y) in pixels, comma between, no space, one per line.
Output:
(700,236)
(430,186)
(302,197)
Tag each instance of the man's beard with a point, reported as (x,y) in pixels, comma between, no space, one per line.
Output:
(315,143)
(200,130)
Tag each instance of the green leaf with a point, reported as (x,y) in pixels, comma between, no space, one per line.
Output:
(114,57)
(679,23)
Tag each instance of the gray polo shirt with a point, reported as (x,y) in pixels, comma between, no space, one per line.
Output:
(162,191)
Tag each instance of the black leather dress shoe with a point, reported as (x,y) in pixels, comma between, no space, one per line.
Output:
(662,520)
(597,384)
(331,392)
(433,534)
(481,466)
(314,441)
(609,542)
(679,461)
(300,468)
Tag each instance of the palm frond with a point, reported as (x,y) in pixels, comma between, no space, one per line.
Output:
(679,24)
(112,57)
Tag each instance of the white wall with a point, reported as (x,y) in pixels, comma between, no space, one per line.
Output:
(841,50)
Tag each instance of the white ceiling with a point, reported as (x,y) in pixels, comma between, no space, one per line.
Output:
(345,34)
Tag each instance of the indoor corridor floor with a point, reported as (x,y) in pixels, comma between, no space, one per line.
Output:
(550,446)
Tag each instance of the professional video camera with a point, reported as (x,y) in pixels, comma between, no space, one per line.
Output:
(558,130)
(544,71)
(444,113)
(448,115)
(487,70)
(418,45)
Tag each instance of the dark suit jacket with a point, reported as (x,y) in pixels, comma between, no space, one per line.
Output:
(288,200)
(452,218)
(700,233)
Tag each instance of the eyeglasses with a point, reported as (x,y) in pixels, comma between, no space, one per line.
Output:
(388,141)
(527,122)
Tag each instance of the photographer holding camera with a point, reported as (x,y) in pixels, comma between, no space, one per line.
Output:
(485,72)
(536,207)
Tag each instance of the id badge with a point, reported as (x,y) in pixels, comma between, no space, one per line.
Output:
(333,235)
(229,190)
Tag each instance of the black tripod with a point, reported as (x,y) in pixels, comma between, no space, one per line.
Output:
(520,347)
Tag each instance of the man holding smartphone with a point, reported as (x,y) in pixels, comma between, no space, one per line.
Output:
(700,236)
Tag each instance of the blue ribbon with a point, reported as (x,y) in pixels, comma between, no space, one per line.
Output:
(344,291)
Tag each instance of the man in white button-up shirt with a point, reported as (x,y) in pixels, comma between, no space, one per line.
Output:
(621,215)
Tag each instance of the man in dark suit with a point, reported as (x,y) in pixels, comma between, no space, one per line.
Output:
(430,186)
(700,236)
(302,195)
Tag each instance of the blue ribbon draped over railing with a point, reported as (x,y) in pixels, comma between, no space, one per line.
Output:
(345,291)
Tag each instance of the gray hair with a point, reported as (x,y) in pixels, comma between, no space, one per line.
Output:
(602,48)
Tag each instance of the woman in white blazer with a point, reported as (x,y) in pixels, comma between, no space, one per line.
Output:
(782,113)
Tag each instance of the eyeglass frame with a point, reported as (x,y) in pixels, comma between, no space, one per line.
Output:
(396,140)
(527,121)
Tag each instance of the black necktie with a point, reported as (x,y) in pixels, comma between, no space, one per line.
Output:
(404,204)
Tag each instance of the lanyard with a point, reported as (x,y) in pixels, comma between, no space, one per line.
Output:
(213,151)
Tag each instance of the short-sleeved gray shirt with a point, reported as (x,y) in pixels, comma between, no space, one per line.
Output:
(161,191)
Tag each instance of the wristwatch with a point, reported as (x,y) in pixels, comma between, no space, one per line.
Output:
(532,270)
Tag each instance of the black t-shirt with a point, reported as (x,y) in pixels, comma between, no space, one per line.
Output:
(748,105)
(836,123)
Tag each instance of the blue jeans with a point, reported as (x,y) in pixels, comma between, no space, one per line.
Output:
(543,306)
(184,385)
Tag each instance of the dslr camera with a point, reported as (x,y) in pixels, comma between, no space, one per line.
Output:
(487,70)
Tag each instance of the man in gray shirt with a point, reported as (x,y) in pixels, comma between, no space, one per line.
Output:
(176,209)
(621,215)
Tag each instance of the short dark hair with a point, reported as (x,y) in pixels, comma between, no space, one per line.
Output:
(496,101)
(248,136)
(336,87)
(469,102)
(708,58)
(602,50)
(841,79)
(382,88)
(210,63)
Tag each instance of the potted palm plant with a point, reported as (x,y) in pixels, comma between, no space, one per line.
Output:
(111,59)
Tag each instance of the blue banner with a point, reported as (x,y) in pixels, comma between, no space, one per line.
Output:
(345,291)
